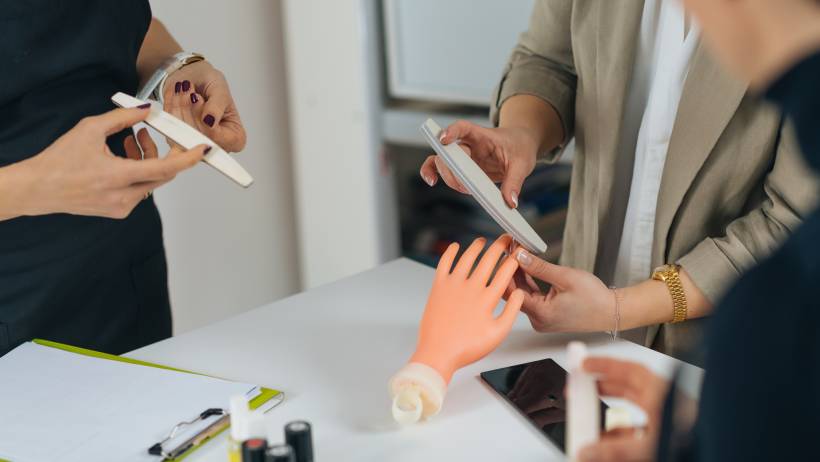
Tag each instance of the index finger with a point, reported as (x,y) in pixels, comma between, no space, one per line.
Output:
(623,379)
(459,130)
(118,120)
(165,168)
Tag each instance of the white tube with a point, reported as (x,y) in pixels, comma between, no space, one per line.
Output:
(583,405)
(418,392)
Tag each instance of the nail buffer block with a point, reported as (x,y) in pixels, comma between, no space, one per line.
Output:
(189,138)
(483,190)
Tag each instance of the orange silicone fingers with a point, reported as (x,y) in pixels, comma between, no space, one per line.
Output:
(458,326)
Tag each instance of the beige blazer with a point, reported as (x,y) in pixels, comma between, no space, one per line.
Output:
(733,187)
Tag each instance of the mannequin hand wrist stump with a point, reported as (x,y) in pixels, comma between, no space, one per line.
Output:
(458,326)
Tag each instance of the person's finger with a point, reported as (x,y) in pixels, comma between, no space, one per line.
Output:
(230,133)
(460,129)
(543,270)
(197,108)
(445,263)
(503,276)
(132,151)
(448,177)
(517,172)
(428,171)
(621,449)
(118,120)
(507,317)
(467,261)
(149,148)
(166,168)
(217,101)
(490,259)
(623,379)
(141,190)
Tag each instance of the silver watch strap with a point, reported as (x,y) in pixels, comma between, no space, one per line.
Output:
(154,87)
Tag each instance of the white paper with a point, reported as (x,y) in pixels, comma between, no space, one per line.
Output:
(57,405)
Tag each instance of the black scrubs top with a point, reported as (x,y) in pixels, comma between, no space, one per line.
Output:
(87,281)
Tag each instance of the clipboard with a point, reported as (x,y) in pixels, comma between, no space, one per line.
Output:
(267,398)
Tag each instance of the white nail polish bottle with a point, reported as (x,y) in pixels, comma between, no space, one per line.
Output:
(583,405)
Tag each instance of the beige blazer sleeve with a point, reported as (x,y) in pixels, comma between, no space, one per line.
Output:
(790,194)
(541,64)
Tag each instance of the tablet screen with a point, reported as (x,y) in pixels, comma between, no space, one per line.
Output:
(536,390)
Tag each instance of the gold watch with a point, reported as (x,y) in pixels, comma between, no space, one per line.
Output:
(670,276)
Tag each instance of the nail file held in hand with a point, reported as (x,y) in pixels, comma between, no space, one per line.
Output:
(483,190)
(188,137)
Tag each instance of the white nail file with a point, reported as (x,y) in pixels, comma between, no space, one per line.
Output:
(483,190)
(188,137)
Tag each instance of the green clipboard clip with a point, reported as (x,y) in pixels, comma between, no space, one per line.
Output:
(265,396)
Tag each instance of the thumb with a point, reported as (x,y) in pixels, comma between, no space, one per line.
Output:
(510,313)
(517,172)
(119,119)
(540,269)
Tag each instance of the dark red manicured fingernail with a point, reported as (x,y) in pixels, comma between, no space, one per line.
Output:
(207,149)
(194,99)
(177,87)
(144,106)
(186,85)
(209,120)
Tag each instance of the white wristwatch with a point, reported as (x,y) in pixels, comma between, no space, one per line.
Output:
(154,87)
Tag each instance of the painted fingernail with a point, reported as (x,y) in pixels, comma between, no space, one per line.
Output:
(186,85)
(194,99)
(442,136)
(144,106)
(207,149)
(428,180)
(177,87)
(523,258)
(209,120)
(514,197)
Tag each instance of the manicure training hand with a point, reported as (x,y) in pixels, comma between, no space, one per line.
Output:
(458,326)
(507,155)
(199,94)
(577,301)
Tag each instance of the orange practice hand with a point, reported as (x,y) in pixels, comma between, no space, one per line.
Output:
(458,326)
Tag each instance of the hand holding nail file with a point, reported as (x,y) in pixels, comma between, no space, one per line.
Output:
(483,190)
(188,137)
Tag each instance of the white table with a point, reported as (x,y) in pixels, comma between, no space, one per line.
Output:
(332,351)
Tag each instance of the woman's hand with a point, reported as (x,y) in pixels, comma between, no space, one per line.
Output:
(78,173)
(213,111)
(633,382)
(507,155)
(577,301)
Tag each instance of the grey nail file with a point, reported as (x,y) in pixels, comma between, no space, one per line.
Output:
(188,137)
(483,190)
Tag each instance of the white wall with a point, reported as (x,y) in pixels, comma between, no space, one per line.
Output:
(344,191)
(230,249)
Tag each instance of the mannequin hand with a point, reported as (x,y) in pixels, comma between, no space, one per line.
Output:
(634,382)
(577,301)
(506,155)
(458,326)
(214,112)
(79,174)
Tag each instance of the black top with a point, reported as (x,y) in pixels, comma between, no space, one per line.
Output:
(64,277)
(761,391)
